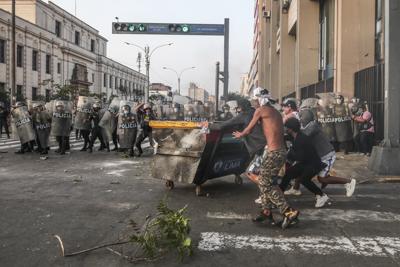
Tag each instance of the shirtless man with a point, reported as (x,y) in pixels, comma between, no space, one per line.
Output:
(273,129)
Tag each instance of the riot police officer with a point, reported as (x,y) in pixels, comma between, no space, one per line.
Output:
(24,127)
(61,124)
(96,129)
(127,129)
(3,120)
(42,124)
(226,114)
(145,115)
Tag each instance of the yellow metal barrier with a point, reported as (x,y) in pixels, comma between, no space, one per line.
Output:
(175,125)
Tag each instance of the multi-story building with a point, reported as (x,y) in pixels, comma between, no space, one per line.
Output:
(159,89)
(302,47)
(244,85)
(51,44)
(198,94)
(212,99)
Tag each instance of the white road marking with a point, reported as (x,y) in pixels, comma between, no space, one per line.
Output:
(117,173)
(349,216)
(362,246)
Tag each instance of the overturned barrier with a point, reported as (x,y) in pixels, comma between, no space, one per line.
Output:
(188,154)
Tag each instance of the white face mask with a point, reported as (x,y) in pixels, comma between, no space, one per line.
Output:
(338,101)
(263,101)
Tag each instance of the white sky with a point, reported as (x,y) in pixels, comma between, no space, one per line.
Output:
(199,51)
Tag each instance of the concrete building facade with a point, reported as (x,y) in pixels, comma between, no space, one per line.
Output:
(300,44)
(198,94)
(159,89)
(50,44)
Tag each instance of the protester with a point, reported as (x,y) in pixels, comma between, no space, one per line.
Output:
(289,110)
(325,151)
(306,162)
(272,124)
(367,131)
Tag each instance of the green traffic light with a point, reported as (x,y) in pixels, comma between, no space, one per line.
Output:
(185,28)
(142,27)
(131,28)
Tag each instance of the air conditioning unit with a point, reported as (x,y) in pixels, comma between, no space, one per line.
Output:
(267,14)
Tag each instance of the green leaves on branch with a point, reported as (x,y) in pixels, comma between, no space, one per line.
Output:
(167,232)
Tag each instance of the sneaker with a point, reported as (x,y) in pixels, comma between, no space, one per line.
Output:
(321,200)
(258,201)
(350,187)
(289,217)
(292,192)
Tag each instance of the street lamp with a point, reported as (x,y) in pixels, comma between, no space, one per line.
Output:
(179,75)
(148,54)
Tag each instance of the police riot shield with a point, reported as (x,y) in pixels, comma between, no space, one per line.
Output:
(188,112)
(109,120)
(83,113)
(325,115)
(42,125)
(127,127)
(307,103)
(23,124)
(343,123)
(61,118)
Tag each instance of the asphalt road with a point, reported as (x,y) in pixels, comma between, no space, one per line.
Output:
(88,199)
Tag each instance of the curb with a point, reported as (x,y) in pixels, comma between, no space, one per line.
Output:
(386,180)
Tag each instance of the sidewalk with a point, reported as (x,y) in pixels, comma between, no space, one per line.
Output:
(356,166)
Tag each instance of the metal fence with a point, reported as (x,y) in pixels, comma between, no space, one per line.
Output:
(369,87)
(309,91)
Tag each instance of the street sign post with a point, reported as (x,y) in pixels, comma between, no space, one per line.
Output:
(181,29)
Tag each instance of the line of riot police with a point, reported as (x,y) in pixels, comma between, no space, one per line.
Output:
(124,123)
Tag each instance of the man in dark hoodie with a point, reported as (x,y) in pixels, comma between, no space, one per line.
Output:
(307,163)
(325,151)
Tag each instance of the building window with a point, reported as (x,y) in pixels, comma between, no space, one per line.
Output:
(327,47)
(59,68)
(77,38)
(105,80)
(58,28)
(34,93)
(48,94)
(92,77)
(19,96)
(111,81)
(92,45)
(20,55)
(34,60)
(2,51)
(48,64)
(2,87)
(116,83)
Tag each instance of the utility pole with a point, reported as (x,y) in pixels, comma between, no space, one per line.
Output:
(139,61)
(217,79)
(226,60)
(13,59)
(146,93)
(386,157)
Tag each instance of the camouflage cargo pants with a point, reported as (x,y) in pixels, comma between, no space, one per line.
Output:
(270,168)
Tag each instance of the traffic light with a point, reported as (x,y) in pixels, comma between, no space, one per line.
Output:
(130,27)
(183,28)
